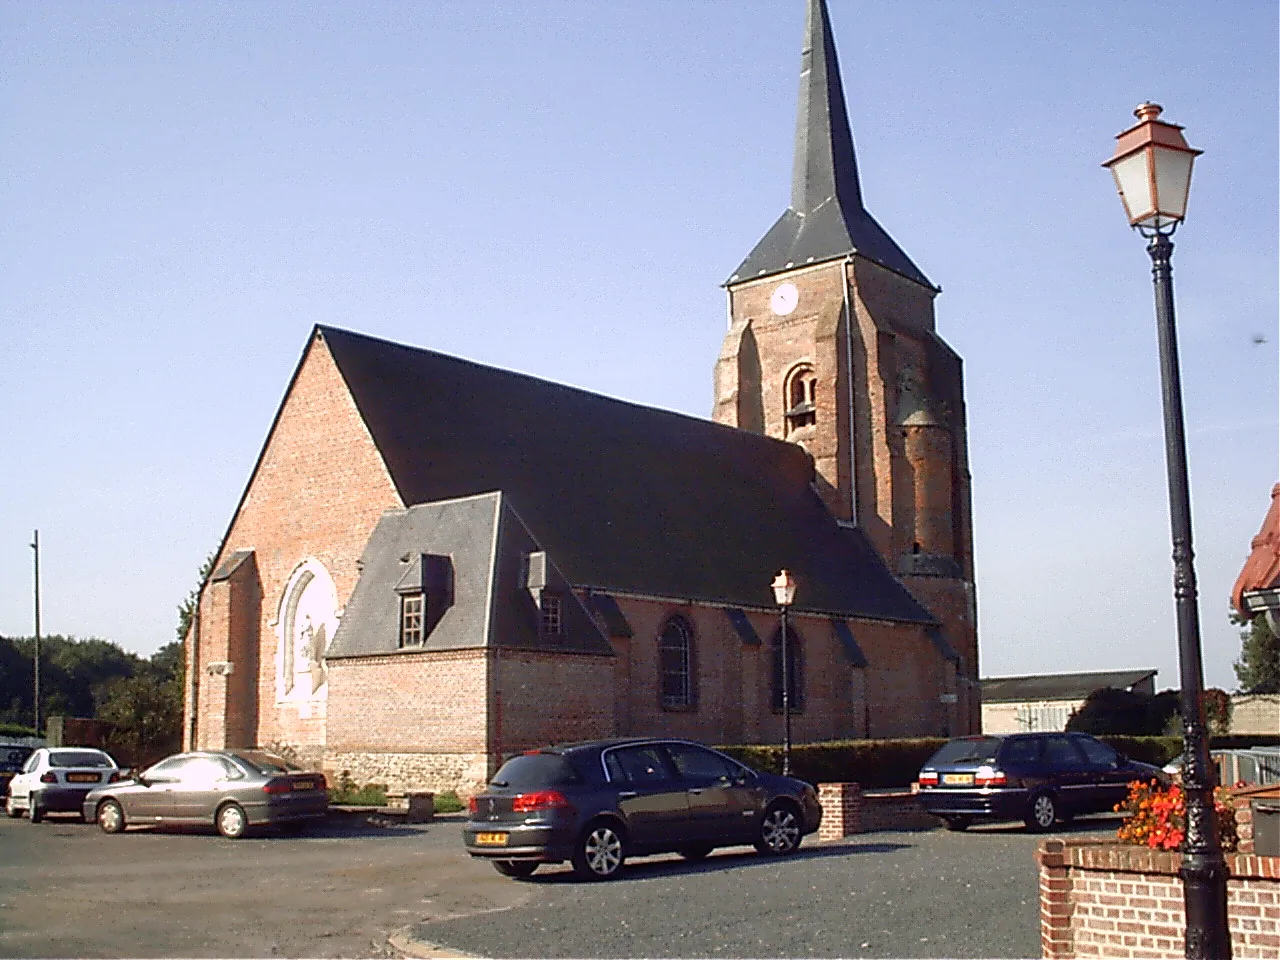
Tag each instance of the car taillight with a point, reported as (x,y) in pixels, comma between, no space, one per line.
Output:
(989,777)
(49,777)
(928,778)
(277,786)
(540,800)
(473,805)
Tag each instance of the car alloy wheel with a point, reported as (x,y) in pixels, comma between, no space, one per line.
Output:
(600,852)
(1042,814)
(516,868)
(110,817)
(231,821)
(779,831)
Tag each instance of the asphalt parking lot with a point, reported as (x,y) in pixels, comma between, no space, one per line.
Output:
(345,888)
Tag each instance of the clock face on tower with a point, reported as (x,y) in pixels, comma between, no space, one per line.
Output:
(784,299)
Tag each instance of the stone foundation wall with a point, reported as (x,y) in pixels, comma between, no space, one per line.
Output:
(464,773)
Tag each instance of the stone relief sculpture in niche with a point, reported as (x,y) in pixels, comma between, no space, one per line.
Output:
(308,620)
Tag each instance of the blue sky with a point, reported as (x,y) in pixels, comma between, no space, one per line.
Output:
(560,187)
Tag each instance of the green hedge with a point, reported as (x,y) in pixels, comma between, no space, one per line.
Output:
(16,730)
(874,764)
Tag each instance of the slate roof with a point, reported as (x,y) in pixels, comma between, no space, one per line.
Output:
(826,218)
(486,543)
(1058,686)
(625,499)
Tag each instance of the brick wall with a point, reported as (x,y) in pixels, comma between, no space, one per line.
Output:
(1111,900)
(316,493)
(896,695)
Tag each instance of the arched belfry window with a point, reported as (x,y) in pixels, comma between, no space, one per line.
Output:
(801,391)
(795,670)
(675,664)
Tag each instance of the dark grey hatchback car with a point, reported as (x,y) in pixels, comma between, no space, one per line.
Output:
(596,804)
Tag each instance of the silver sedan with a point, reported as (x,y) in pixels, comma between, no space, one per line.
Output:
(230,790)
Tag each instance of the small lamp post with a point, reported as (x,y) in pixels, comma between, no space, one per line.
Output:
(784,592)
(1152,169)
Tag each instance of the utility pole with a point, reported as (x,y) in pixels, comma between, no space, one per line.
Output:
(35,703)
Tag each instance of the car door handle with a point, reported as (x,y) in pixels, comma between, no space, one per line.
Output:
(627,794)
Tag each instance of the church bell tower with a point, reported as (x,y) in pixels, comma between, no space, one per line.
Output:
(832,345)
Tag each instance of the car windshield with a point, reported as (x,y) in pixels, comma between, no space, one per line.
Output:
(969,748)
(535,770)
(266,763)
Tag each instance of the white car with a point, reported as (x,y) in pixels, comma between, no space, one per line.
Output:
(56,779)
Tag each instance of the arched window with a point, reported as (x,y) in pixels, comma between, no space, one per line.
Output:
(801,391)
(305,624)
(795,669)
(675,663)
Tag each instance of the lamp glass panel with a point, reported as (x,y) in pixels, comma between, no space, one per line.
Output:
(1173,181)
(1134,185)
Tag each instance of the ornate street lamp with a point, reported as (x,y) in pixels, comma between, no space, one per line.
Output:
(784,592)
(1152,169)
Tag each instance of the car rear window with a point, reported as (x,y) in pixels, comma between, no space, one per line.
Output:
(962,751)
(267,763)
(535,770)
(79,758)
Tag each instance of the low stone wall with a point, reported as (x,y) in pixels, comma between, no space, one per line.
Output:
(846,810)
(403,773)
(1116,900)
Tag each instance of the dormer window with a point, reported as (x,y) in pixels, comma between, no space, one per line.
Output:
(552,624)
(801,398)
(412,616)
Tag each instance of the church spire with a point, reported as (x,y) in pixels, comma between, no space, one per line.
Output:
(826,219)
(825,167)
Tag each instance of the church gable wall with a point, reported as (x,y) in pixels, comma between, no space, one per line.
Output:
(316,494)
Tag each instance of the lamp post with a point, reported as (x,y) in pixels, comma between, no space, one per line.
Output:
(1152,170)
(35,701)
(784,592)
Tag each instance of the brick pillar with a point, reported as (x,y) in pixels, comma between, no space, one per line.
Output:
(1055,901)
(841,810)
(1243,808)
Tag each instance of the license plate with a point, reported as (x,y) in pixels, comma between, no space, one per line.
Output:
(82,778)
(958,779)
(304,784)
(491,839)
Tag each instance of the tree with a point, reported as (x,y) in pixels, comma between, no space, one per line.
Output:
(1110,711)
(145,717)
(1217,711)
(1258,669)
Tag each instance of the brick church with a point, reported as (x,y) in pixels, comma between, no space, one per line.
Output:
(436,563)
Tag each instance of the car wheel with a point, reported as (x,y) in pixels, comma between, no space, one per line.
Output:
(110,817)
(10,809)
(957,823)
(697,851)
(779,831)
(231,821)
(600,852)
(1041,813)
(34,811)
(516,868)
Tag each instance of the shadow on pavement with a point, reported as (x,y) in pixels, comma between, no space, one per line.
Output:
(667,865)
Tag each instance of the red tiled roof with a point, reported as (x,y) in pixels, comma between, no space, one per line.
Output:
(1262,570)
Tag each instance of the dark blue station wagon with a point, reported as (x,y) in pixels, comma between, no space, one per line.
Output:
(596,804)
(1039,778)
